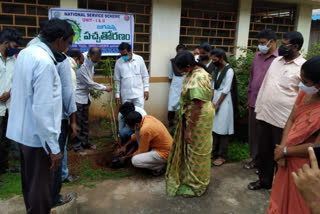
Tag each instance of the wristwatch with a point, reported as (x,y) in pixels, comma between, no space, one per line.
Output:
(285,149)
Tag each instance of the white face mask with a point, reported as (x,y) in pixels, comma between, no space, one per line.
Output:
(264,48)
(309,90)
(90,63)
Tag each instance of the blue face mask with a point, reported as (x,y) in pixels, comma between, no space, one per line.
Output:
(126,58)
(11,51)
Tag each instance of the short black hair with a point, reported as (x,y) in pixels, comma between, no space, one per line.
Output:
(126,108)
(267,34)
(10,34)
(55,29)
(124,46)
(95,51)
(220,53)
(180,46)
(133,118)
(311,69)
(295,38)
(206,46)
(185,58)
(75,53)
(42,24)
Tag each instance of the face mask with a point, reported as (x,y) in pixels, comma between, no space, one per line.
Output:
(309,90)
(204,58)
(78,66)
(11,51)
(264,48)
(196,57)
(285,52)
(90,63)
(217,63)
(126,58)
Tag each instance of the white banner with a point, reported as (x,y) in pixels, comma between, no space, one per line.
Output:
(97,28)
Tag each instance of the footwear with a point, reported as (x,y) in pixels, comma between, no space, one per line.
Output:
(93,147)
(64,199)
(81,152)
(158,172)
(219,162)
(70,178)
(249,165)
(257,185)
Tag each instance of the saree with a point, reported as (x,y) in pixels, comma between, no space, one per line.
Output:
(285,198)
(188,169)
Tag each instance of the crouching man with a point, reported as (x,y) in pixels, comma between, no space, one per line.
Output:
(154,142)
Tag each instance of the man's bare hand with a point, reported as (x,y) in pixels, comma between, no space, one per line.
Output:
(5,97)
(146,95)
(118,101)
(56,160)
(108,89)
(73,130)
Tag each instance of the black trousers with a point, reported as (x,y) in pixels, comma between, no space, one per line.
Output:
(268,136)
(4,144)
(37,179)
(57,174)
(253,140)
(81,141)
(220,145)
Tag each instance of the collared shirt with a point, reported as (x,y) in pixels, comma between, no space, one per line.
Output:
(6,74)
(73,70)
(121,121)
(153,135)
(36,102)
(68,96)
(279,91)
(85,82)
(131,78)
(259,68)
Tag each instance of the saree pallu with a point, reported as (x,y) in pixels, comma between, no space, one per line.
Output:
(285,198)
(188,170)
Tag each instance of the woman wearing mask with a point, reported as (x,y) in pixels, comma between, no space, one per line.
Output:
(204,56)
(301,131)
(223,124)
(189,163)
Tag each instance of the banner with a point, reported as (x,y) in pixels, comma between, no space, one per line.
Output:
(97,28)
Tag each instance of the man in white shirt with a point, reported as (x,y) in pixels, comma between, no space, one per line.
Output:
(84,84)
(10,38)
(275,101)
(36,111)
(131,77)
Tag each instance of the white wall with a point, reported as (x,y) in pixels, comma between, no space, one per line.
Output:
(165,33)
(304,24)
(69,3)
(243,25)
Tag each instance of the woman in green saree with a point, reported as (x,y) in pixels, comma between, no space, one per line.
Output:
(189,163)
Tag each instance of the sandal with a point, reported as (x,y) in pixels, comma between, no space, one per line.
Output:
(64,199)
(257,185)
(219,162)
(71,178)
(249,165)
(93,147)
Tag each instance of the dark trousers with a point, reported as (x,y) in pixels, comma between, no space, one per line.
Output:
(4,144)
(268,136)
(37,179)
(171,117)
(253,140)
(82,140)
(220,145)
(57,174)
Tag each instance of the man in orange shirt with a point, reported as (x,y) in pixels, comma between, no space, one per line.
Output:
(154,142)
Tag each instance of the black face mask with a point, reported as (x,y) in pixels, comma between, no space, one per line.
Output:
(11,51)
(217,64)
(204,58)
(285,52)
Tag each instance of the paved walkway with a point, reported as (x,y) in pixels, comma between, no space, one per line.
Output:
(227,194)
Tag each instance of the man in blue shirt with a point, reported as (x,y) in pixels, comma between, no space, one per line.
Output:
(36,112)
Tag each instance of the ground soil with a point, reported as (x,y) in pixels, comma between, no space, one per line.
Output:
(99,159)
